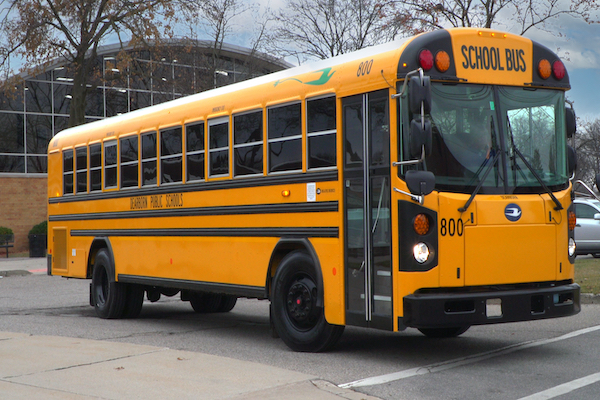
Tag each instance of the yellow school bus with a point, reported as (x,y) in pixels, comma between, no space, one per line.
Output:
(424,183)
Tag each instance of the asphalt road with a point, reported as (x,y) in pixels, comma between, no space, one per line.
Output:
(551,359)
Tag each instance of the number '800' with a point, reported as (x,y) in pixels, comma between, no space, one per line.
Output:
(452,227)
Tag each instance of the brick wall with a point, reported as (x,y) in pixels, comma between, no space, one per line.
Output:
(23,204)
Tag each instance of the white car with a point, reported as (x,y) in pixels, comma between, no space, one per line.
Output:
(587,230)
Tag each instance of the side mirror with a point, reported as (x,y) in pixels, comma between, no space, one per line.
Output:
(572,162)
(571,122)
(420,183)
(419,93)
(419,136)
(597,181)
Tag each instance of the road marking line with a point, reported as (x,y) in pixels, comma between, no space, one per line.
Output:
(395,376)
(564,388)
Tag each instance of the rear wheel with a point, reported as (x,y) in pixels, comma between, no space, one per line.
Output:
(444,332)
(297,311)
(227,303)
(205,303)
(108,296)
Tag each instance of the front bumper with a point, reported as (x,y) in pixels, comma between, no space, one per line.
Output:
(481,306)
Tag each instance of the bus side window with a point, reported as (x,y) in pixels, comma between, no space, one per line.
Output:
(95,167)
(81,168)
(218,148)
(248,144)
(284,131)
(171,155)
(194,152)
(110,164)
(129,161)
(320,132)
(67,172)
(149,159)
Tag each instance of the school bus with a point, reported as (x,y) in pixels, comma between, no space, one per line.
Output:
(424,183)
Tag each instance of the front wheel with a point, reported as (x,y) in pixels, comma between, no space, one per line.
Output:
(297,311)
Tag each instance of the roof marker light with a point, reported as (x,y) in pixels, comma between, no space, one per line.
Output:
(544,69)
(426,59)
(558,69)
(442,61)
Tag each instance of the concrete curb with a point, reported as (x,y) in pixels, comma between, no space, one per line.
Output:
(14,272)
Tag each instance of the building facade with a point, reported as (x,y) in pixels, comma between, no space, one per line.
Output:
(123,79)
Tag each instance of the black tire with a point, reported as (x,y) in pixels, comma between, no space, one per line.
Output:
(204,303)
(444,332)
(134,301)
(108,296)
(227,303)
(297,316)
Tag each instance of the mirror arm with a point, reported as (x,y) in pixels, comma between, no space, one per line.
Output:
(411,162)
(414,197)
(403,91)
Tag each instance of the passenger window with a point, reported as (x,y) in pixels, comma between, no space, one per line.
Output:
(110,164)
(194,152)
(81,168)
(321,132)
(218,150)
(129,162)
(67,172)
(248,144)
(95,167)
(149,159)
(171,155)
(285,138)
(585,211)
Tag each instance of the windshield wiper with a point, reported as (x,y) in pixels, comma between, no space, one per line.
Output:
(488,168)
(532,170)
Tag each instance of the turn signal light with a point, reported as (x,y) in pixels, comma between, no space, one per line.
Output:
(421,224)
(572,220)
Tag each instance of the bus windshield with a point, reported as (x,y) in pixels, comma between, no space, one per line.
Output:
(503,139)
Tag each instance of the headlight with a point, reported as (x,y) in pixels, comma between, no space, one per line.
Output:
(572,247)
(421,252)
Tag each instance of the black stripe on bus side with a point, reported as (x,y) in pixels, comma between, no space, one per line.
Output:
(323,232)
(325,206)
(323,176)
(238,290)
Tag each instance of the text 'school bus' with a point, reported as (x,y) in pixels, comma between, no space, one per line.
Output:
(424,183)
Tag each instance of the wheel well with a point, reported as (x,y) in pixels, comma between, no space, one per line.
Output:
(97,245)
(282,249)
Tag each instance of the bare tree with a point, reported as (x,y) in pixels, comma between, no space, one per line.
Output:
(308,29)
(587,147)
(523,15)
(39,31)
(219,21)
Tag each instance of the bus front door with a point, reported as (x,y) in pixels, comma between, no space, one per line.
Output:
(368,252)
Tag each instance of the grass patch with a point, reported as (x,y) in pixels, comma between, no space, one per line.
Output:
(587,274)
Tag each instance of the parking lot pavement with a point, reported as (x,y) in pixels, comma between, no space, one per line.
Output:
(23,266)
(51,367)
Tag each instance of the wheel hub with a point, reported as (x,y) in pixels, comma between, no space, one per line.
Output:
(300,301)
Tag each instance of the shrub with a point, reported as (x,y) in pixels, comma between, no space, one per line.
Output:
(5,231)
(40,229)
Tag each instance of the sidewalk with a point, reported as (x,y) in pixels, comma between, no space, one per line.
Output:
(50,367)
